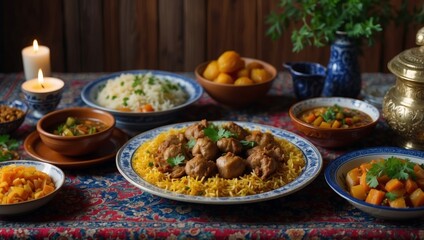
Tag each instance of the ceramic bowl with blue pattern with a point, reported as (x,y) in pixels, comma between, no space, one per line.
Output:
(333,137)
(336,171)
(55,173)
(10,126)
(143,120)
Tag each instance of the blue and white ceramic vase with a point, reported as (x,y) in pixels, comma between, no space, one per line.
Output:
(343,73)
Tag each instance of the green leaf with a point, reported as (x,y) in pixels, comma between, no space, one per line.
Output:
(391,196)
(215,133)
(248,144)
(175,161)
(393,167)
(191,143)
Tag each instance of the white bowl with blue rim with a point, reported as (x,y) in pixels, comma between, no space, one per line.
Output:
(336,171)
(143,120)
(55,173)
(313,166)
(10,126)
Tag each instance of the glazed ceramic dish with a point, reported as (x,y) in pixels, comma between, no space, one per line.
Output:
(143,120)
(54,172)
(38,150)
(336,171)
(232,95)
(312,167)
(74,145)
(330,137)
(8,127)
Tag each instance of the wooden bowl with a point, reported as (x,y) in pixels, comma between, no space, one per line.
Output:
(233,95)
(74,145)
(333,137)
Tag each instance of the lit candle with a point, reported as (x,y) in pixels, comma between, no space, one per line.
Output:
(35,57)
(42,84)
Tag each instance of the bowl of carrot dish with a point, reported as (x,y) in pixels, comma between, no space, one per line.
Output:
(385,182)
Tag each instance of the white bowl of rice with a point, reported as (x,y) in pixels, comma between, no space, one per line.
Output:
(142,99)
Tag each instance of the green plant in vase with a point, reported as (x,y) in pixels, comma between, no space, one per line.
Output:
(344,24)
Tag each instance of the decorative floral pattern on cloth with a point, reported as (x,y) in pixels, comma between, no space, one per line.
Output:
(98,203)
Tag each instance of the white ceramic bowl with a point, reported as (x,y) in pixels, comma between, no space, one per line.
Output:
(54,172)
(146,120)
(336,171)
(333,137)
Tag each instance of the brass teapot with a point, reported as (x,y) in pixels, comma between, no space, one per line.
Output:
(403,104)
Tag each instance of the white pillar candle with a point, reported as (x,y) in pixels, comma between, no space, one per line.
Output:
(35,57)
(42,84)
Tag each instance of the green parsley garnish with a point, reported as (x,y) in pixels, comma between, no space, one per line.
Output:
(150,164)
(7,145)
(215,133)
(114,97)
(151,81)
(391,196)
(248,144)
(191,143)
(137,81)
(330,113)
(393,167)
(125,101)
(175,161)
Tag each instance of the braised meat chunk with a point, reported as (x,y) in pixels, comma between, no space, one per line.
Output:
(262,139)
(240,132)
(230,165)
(229,145)
(261,163)
(195,131)
(199,167)
(206,148)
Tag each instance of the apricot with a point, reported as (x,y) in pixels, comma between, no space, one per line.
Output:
(243,81)
(244,72)
(253,65)
(229,62)
(224,78)
(259,75)
(211,71)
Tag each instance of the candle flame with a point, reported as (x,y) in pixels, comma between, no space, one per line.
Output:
(35,45)
(40,77)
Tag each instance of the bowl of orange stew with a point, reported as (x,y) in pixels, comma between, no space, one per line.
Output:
(334,121)
(75,131)
(385,182)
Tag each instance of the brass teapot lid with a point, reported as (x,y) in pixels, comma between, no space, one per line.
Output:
(409,64)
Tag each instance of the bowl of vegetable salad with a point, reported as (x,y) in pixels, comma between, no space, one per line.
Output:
(385,182)
(334,121)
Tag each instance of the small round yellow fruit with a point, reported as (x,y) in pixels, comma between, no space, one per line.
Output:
(224,78)
(211,71)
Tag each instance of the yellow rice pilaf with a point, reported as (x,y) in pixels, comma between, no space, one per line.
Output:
(248,184)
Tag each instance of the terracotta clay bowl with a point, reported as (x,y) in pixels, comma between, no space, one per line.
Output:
(74,145)
(333,137)
(235,95)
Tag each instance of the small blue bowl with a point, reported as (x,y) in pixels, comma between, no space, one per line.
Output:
(308,78)
(8,127)
(135,121)
(336,171)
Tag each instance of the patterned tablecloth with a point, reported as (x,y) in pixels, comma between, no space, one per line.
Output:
(97,202)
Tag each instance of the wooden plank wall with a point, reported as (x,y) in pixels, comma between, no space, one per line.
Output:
(171,35)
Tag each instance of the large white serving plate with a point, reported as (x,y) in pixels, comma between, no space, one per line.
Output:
(312,167)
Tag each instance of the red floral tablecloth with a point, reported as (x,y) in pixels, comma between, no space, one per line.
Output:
(98,203)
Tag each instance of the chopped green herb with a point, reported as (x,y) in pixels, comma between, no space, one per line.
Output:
(191,143)
(122,83)
(248,144)
(175,161)
(114,97)
(150,164)
(215,133)
(151,81)
(391,196)
(393,167)
(139,92)
(331,112)
(125,101)
(7,147)
(137,81)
